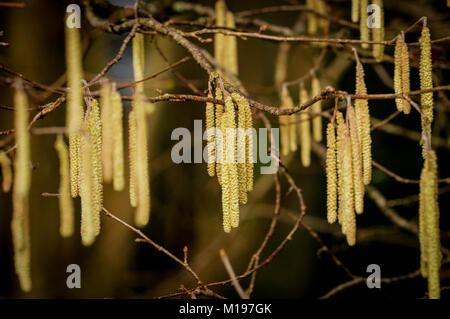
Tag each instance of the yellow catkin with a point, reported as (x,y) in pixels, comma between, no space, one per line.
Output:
(340,132)
(363,28)
(401,74)
(288,127)
(142,215)
(117,153)
(88,222)
(426,76)
(281,64)
(248,146)
(331,172)
(429,225)
(219,139)
(231,56)
(6,172)
(316,108)
(95,136)
(378,34)
(405,77)
(312,18)
(305,130)
(363,121)
(108,130)
(219,39)
(66,212)
(21,189)
(139,61)
(210,137)
(132,146)
(230,182)
(355,10)
(348,211)
(322,8)
(358,184)
(74,156)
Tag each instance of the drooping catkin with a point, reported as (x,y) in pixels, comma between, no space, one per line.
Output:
(139,61)
(88,219)
(348,211)
(363,28)
(219,39)
(401,74)
(210,137)
(312,18)
(378,34)
(287,125)
(66,211)
(358,184)
(331,172)
(74,156)
(219,135)
(305,130)
(340,136)
(142,215)
(132,146)
(363,122)
(117,153)
(108,130)
(5,163)
(429,233)
(231,57)
(95,137)
(316,108)
(21,188)
(281,64)
(355,10)
(426,75)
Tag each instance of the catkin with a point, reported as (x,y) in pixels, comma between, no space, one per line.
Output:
(139,61)
(305,130)
(231,56)
(363,122)
(358,184)
(340,136)
(74,156)
(312,18)
(66,212)
(348,212)
(219,39)
(142,170)
(429,233)
(288,128)
(108,130)
(331,172)
(378,34)
(210,137)
(6,172)
(95,137)
(355,10)
(401,74)
(219,137)
(117,153)
(363,28)
(21,188)
(426,76)
(132,146)
(316,108)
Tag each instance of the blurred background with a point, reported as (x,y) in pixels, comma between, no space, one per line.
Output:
(186,202)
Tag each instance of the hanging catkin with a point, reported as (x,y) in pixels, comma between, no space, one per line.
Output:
(66,214)
(74,113)
(219,135)
(210,137)
(401,74)
(340,136)
(305,130)
(312,18)
(108,129)
(142,171)
(231,57)
(117,153)
(6,172)
(378,34)
(21,189)
(363,28)
(363,122)
(426,76)
(132,146)
(139,61)
(316,108)
(358,184)
(219,39)
(287,125)
(348,210)
(429,233)
(331,172)
(355,10)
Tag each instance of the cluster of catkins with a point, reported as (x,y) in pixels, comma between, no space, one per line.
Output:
(359,14)
(316,23)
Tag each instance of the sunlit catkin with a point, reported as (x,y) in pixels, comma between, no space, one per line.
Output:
(429,233)
(340,149)
(219,39)
(355,10)
(210,137)
(401,74)
(74,156)
(316,108)
(108,130)
(139,61)
(426,76)
(378,33)
(5,163)
(363,122)
(305,130)
(331,172)
(95,137)
(66,212)
(21,188)
(363,28)
(219,135)
(231,57)
(358,184)
(117,153)
(132,146)
(348,210)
